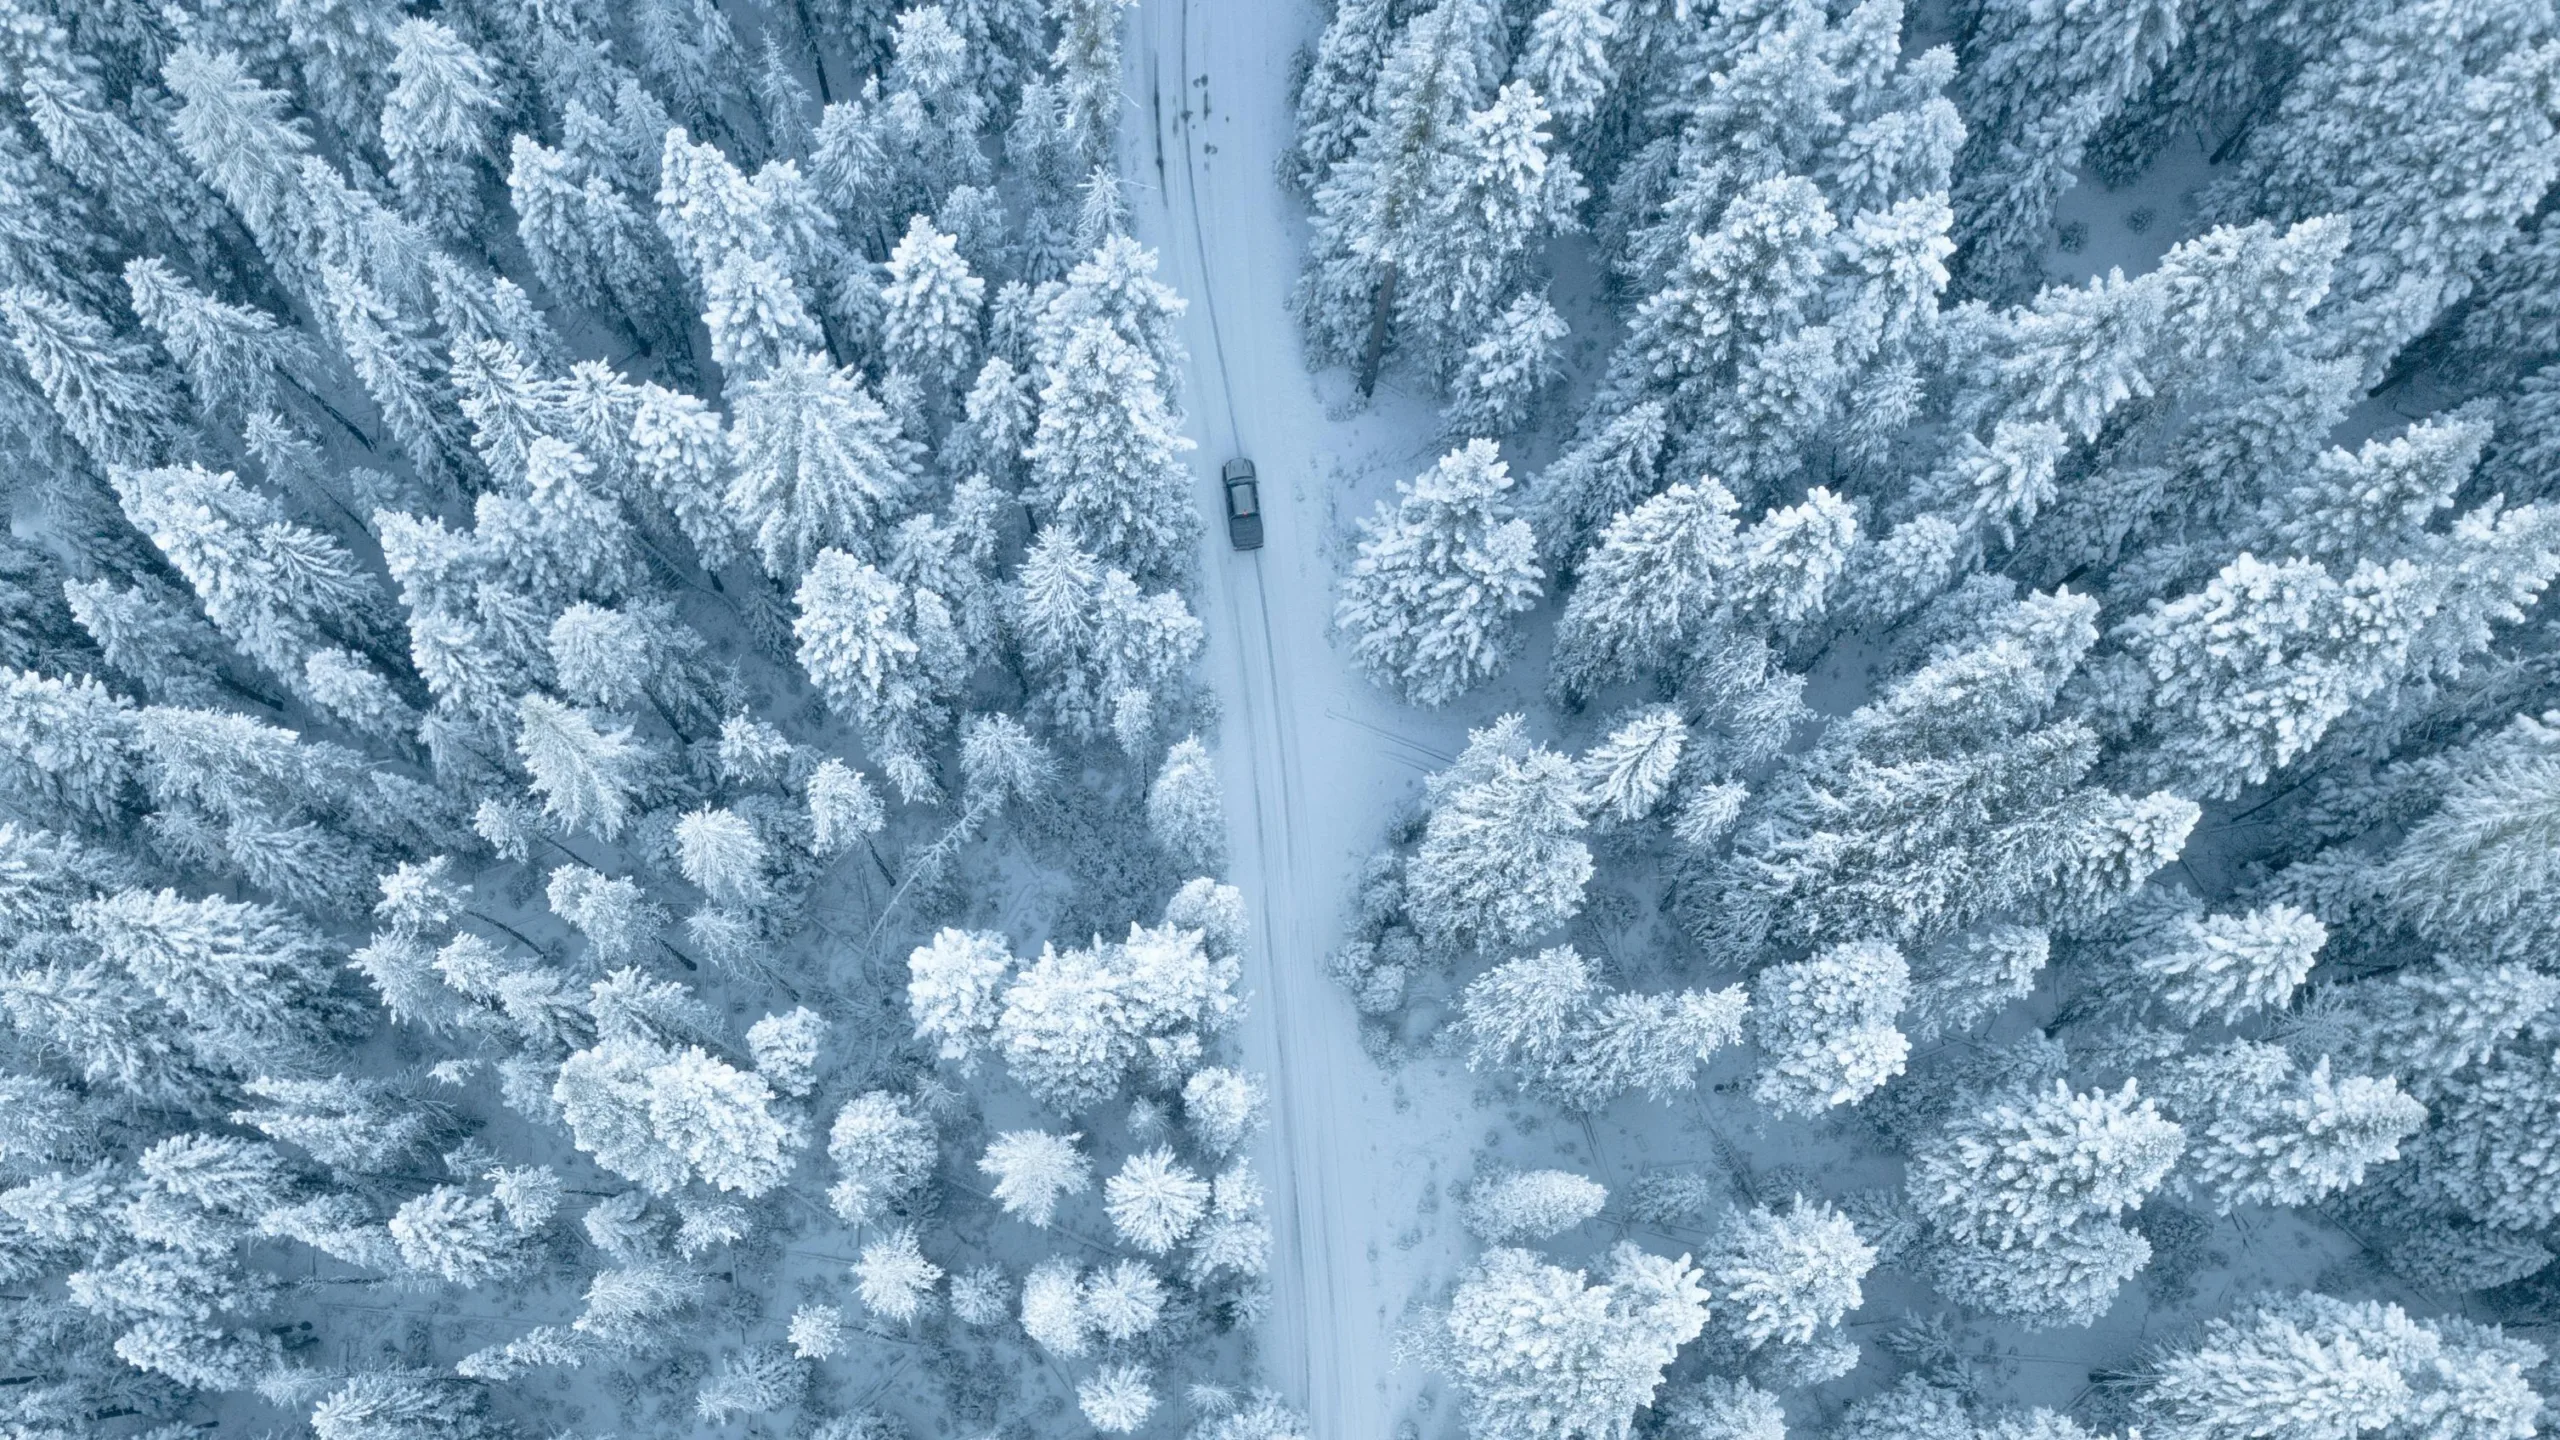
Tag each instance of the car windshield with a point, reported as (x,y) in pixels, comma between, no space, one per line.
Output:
(1240,497)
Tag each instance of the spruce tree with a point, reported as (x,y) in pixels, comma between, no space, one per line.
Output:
(1105,459)
(1501,857)
(1603,1346)
(2025,1170)
(1826,1027)
(1430,597)
(2035,88)
(815,462)
(1373,211)
(435,124)
(1650,589)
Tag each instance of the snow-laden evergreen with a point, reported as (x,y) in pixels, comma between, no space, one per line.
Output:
(521,616)
(2027,671)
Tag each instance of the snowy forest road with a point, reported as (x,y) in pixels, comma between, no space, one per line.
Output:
(1309,784)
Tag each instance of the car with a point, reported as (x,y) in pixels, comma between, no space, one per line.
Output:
(1244,505)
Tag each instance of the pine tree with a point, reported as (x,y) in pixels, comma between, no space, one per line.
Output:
(953,991)
(1536,1350)
(1785,1277)
(2303,1139)
(1543,1017)
(1514,1205)
(1371,212)
(353,1124)
(1185,808)
(1033,1170)
(719,850)
(2234,964)
(753,1382)
(1155,1201)
(882,652)
(1106,656)
(603,1096)
(1649,591)
(1495,382)
(1223,1108)
(2070,1280)
(1522,1012)
(2247,673)
(1788,561)
(1825,1027)
(2468,874)
(614,914)
(590,776)
(1627,775)
(1568,57)
(1087,64)
(1731,294)
(932,301)
(390,1405)
(456,1236)
(275,588)
(2484,1156)
(106,390)
(253,982)
(2023,1171)
(681,455)
(1105,459)
(1501,859)
(1498,189)
(2392,127)
(1125,1300)
(1430,597)
(1994,490)
(816,463)
(1075,1024)
(234,131)
(722,1121)
(1117,1399)
(2035,88)
(1053,1309)
(2293,1367)
(886,1152)
(842,808)
(1652,1044)
(387,347)
(1114,286)
(1333,103)
(435,124)
(894,1279)
(1959,983)
(1610,467)
(232,355)
(2429,1024)
(786,1048)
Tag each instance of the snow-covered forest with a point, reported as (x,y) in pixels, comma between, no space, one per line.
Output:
(603,827)
(639,794)
(1991,555)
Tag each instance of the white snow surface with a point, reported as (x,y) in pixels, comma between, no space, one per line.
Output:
(1314,760)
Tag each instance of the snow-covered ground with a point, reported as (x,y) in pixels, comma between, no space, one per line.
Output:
(1314,760)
